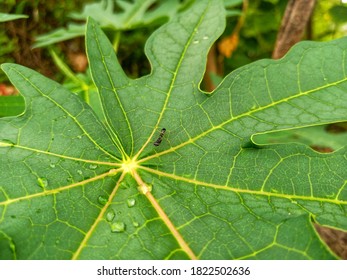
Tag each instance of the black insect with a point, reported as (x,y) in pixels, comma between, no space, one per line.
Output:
(160,138)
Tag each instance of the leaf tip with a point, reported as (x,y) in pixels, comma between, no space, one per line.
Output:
(6,67)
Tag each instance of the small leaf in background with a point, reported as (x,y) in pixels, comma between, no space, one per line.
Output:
(8,17)
(72,31)
(338,13)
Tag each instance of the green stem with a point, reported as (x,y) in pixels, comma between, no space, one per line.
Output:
(64,68)
(116,40)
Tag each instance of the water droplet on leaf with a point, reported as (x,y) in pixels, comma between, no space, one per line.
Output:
(110,215)
(52,165)
(196,42)
(102,200)
(135,224)
(93,166)
(118,227)
(69,179)
(205,37)
(79,172)
(131,202)
(42,182)
(112,172)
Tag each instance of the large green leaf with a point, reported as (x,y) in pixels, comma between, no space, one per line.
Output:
(76,187)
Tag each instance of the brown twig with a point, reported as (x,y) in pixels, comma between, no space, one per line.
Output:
(294,22)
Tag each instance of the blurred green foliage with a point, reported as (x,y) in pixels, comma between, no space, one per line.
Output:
(47,20)
(58,24)
(17,36)
(263,20)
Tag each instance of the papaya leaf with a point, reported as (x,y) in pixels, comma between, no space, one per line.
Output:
(168,171)
(8,17)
